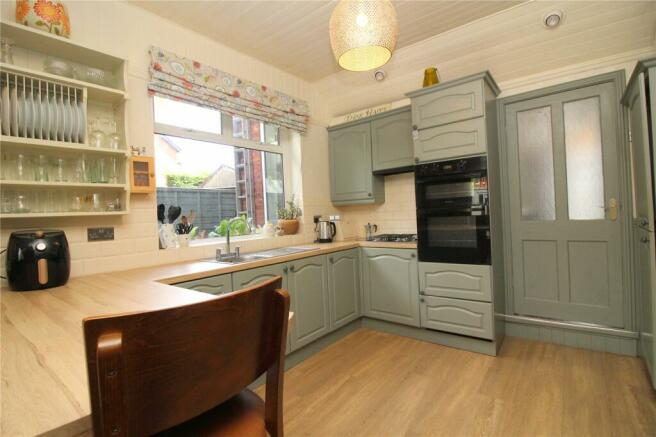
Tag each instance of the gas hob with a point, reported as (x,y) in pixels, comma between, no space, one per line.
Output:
(396,238)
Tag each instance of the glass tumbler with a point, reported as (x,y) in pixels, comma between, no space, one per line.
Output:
(21,203)
(81,170)
(112,170)
(21,167)
(60,170)
(41,169)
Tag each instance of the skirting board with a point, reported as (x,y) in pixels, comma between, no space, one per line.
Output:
(458,341)
(572,337)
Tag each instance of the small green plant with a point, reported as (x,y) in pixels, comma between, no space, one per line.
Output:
(292,212)
(237,227)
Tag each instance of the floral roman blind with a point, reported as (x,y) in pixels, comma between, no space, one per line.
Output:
(187,80)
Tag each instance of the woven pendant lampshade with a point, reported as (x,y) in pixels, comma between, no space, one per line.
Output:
(363,33)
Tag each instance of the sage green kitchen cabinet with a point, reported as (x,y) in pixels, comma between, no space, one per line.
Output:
(248,278)
(308,286)
(390,285)
(220,284)
(351,177)
(458,316)
(344,287)
(391,142)
(458,281)
(449,119)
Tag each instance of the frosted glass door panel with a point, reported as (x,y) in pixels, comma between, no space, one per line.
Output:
(585,170)
(536,167)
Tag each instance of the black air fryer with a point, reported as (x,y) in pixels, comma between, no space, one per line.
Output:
(37,260)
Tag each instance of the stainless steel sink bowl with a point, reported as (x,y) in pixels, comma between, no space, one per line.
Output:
(265,254)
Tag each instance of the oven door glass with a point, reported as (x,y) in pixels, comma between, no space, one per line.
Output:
(453,237)
(459,192)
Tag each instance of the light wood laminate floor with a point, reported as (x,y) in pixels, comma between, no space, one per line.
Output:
(375,384)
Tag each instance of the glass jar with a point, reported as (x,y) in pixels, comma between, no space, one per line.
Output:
(6,51)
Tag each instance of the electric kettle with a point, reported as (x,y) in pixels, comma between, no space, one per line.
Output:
(326,230)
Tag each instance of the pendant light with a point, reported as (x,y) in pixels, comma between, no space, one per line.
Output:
(363,33)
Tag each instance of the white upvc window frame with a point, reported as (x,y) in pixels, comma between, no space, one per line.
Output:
(285,148)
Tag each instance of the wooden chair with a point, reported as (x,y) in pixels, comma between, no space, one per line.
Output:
(184,370)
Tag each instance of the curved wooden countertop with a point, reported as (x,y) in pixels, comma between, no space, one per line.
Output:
(44,377)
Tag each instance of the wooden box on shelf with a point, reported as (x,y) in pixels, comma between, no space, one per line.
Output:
(142,174)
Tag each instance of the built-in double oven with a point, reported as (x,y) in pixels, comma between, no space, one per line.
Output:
(453,221)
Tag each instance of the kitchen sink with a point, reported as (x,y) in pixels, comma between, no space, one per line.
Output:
(265,254)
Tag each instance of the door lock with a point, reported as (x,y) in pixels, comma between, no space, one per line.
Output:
(611,209)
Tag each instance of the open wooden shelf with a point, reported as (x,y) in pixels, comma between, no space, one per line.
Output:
(29,184)
(40,41)
(35,143)
(95,92)
(60,214)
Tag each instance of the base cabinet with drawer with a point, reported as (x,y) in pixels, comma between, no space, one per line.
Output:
(344,287)
(389,285)
(457,316)
(458,281)
(308,287)
(220,284)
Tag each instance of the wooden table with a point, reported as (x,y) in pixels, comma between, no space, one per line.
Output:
(44,378)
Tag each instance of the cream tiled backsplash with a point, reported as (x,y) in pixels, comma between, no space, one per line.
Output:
(396,215)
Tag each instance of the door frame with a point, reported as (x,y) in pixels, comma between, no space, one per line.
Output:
(618,79)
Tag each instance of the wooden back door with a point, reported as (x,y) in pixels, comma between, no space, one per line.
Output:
(565,199)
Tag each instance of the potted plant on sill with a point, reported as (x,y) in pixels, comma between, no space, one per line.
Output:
(288,217)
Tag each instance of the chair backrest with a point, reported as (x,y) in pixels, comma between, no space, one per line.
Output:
(153,370)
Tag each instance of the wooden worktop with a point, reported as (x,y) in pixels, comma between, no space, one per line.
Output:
(44,378)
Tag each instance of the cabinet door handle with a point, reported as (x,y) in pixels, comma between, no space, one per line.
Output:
(369,194)
(413,255)
(414,127)
(285,269)
(421,292)
(645,239)
(331,259)
(291,268)
(422,300)
(416,159)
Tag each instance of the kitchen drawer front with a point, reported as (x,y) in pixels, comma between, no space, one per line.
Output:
(459,281)
(457,316)
(221,284)
(249,278)
(456,103)
(455,140)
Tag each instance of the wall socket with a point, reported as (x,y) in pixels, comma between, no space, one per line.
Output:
(100,234)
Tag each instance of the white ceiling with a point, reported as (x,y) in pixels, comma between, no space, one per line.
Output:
(293,35)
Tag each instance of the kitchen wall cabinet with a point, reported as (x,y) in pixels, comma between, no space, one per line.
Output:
(449,119)
(351,178)
(390,285)
(220,284)
(308,286)
(344,287)
(391,142)
(640,102)
(458,281)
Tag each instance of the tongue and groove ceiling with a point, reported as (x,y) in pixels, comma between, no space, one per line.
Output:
(293,35)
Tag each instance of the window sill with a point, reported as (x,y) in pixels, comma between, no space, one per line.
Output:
(222,240)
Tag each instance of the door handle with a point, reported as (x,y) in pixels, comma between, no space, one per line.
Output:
(611,209)
(644,239)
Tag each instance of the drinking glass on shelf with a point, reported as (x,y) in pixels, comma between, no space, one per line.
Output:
(96,136)
(41,169)
(21,203)
(6,50)
(77,202)
(21,167)
(113,139)
(59,170)
(81,170)
(6,201)
(96,202)
(112,170)
(99,173)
